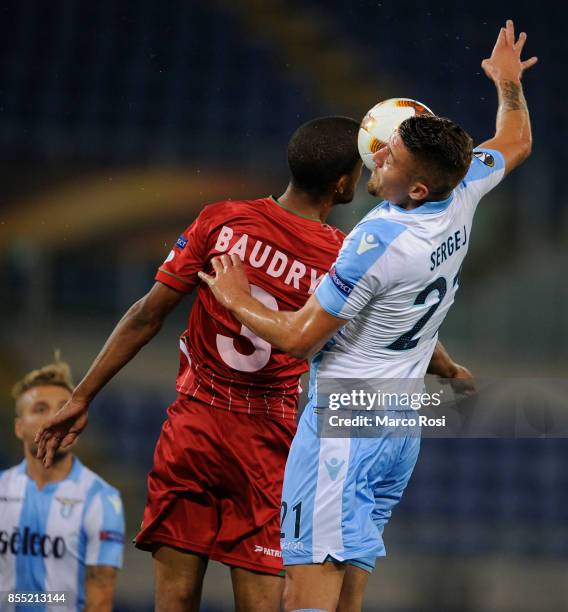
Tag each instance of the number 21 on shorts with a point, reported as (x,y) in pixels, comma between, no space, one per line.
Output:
(293,520)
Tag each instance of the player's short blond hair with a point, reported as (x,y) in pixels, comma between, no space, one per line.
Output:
(57,373)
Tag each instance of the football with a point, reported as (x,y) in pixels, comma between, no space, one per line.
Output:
(381,121)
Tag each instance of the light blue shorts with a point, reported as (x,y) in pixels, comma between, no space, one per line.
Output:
(339,493)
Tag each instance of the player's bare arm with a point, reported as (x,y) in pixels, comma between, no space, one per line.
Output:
(137,327)
(99,587)
(505,68)
(458,376)
(304,332)
(300,333)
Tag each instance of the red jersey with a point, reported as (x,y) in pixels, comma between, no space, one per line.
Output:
(222,363)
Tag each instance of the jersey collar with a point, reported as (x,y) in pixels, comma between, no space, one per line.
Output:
(428,208)
(293,212)
(73,474)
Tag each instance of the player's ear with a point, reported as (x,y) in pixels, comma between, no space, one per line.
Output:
(18,427)
(419,191)
(342,184)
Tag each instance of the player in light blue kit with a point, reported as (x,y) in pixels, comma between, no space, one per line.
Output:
(383,302)
(62,528)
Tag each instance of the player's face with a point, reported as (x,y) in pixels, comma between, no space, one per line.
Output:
(392,178)
(35,407)
(348,184)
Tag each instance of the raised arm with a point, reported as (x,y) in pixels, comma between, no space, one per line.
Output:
(136,328)
(300,333)
(513,128)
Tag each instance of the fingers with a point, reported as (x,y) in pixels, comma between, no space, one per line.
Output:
(232,261)
(510,32)
(217,264)
(40,432)
(501,39)
(518,46)
(224,262)
(51,448)
(205,277)
(46,432)
(529,63)
(45,435)
(68,440)
(485,64)
(220,265)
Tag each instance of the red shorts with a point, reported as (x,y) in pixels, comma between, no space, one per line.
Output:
(216,485)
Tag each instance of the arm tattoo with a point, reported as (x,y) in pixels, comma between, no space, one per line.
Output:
(511,97)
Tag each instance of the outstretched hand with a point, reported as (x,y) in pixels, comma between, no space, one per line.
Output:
(230,281)
(62,429)
(505,62)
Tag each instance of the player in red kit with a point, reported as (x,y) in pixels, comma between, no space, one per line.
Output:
(214,490)
(221,363)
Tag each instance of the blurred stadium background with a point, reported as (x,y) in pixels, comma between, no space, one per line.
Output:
(120,119)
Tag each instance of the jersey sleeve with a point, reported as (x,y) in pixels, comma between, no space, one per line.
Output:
(357,275)
(104,528)
(486,172)
(187,257)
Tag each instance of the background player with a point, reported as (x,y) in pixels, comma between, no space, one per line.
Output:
(214,491)
(389,298)
(61,529)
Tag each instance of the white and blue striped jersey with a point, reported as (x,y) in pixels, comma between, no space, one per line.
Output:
(49,536)
(395,279)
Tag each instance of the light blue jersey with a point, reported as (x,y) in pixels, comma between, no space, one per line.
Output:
(393,282)
(49,536)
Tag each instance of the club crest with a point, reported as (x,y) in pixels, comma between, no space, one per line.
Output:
(67,505)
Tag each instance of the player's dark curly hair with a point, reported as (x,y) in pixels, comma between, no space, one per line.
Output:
(442,148)
(321,151)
